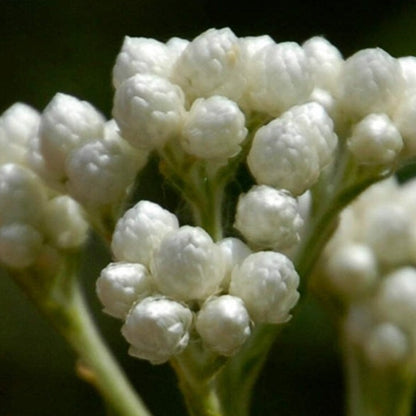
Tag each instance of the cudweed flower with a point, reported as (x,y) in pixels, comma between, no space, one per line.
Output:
(157,328)
(223,324)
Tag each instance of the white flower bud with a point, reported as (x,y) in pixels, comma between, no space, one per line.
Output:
(389,230)
(149,110)
(268,218)
(267,283)
(234,251)
(120,285)
(22,195)
(352,270)
(214,128)
(375,140)
(211,65)
(140,230)
(66,124)
(372,82)
(176,46)
(404,119)
(408,67)
(386,345)
(101,171)
(283,156)
(188,265)
(279,77)
(315,124)
(325,62)
(157,329)
(223,324)
(396,298)
(17,125)
(141,56)
(20,245)
(64,223)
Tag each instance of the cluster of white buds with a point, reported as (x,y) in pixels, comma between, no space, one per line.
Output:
(170,283)
(369,266)
(34,220)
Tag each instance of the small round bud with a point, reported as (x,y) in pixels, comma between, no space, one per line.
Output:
(352,270)
(64,223)
(188,265)
(149,110)
(176,46)
(120,285)
(157,329)
(211,65)
(279,77)
(141,56)
(140,230)
(17,125)
(22,195)
(234,251)
(267,283)
(268,218)
(396,298)
(403,118)
(283,156)
(223,324)
(325,62)
(389,230)
(66,124)
(214,128)
(386,345)
(20,245)
(101,171)
(375,140)
(372,82)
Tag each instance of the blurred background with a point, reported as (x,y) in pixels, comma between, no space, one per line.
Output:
(70,46)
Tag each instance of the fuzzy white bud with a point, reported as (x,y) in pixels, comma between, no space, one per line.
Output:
(267,282)
(20,245)
(268,218)
(64,223)
(22,195)
(101,171)
(223,324)
(141,56)
(157,329)
(188,265)
(375,140)
(234,251)
(211,65)
(386,345)
(396,298)
(17,125)
(372,82)
(66,124)
(140,230)
(149,110)
(325,62)
(214,128)
(283,155)
(279,77)
(120,285)
(352,270)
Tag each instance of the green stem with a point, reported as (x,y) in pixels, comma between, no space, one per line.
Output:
(235,384)
(196,369)
(60,299)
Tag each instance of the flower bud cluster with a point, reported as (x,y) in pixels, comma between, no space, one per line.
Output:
(370,267)
(33,219)
(170,283)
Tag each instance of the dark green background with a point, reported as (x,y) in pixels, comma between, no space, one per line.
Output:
(70,46)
